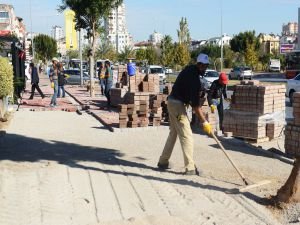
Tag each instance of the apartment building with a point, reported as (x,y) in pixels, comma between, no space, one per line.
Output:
(116,30)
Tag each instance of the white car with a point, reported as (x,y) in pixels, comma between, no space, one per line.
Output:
(293,85)
(155,69)
(210,76)
(241,73)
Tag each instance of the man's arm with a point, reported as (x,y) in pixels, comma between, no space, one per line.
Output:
(206,125)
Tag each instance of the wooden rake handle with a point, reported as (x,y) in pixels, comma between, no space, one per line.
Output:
(230,160)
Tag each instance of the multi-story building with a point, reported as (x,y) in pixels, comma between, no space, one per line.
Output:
(290,29)
(116,30)
(156,38)
(218,40)
(57,32)
(270,43)
(10,24)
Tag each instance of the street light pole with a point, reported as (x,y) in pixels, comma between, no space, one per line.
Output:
(32,46)
(221,36)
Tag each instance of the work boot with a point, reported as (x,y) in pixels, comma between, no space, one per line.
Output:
(192,172)
(163,166)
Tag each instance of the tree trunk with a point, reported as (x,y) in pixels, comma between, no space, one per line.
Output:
(3,108)
(290,191)
(92,61)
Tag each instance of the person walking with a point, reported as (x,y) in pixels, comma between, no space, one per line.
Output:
(215,95)
(61,80)
(35,81)
(54,81)
(101,76)
(108,81)
(187,90)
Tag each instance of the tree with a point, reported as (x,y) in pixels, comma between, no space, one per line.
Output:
(183,32)
(167,51)
(88,15)
(45,47)
(290,191)
(125,54)
(181,55)
(239,42)
(140,54)
(151,55)
(251,57)
(73,54)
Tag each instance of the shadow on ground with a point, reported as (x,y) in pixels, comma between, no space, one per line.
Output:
(18,148)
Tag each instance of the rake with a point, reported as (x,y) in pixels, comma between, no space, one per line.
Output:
(249,184)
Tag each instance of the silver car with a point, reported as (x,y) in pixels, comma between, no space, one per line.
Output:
(241,73)
(73,76)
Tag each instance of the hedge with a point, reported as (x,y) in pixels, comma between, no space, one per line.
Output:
(6,78)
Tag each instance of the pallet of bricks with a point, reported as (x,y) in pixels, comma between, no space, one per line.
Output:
(138,99)
(292,129)
(257,112)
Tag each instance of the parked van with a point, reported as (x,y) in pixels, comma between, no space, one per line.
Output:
(274,65)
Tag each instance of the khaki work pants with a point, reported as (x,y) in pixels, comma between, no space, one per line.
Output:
(179,126)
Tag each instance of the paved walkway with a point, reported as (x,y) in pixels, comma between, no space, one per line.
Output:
(59,167)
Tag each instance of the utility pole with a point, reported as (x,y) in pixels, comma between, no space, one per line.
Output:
(221,36)
(32,46)
(117,30)
(80,55)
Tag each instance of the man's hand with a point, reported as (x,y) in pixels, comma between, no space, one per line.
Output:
(207,128)
(213,108)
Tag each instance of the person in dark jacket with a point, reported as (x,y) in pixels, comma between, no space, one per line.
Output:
(215,95)
(108,81)
(35,81)
(187,90)
(61,80)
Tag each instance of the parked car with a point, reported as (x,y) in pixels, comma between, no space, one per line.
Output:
(293,85)
(241,73)
(155,69)
(168,70)
(210,76)
(73,76)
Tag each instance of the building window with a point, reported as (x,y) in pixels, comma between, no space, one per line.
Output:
(4,15)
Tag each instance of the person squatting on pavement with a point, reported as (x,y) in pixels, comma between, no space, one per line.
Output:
(187,90)
(108,81)
(54,81)
(215,95)
(35,81)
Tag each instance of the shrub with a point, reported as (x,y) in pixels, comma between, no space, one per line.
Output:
(6,78)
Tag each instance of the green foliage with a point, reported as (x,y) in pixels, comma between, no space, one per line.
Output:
(251,57)
(88,13)
(181,54)
(106,51)
(125,54)
(151,55)
(140,54)
(45,47)
(73,54)
(239,42)
(167,51)
(6,78)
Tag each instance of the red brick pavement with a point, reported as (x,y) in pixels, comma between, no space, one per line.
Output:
(96,105)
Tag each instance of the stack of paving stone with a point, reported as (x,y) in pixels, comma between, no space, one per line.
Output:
(156,110)
(256,112)
(292,129)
